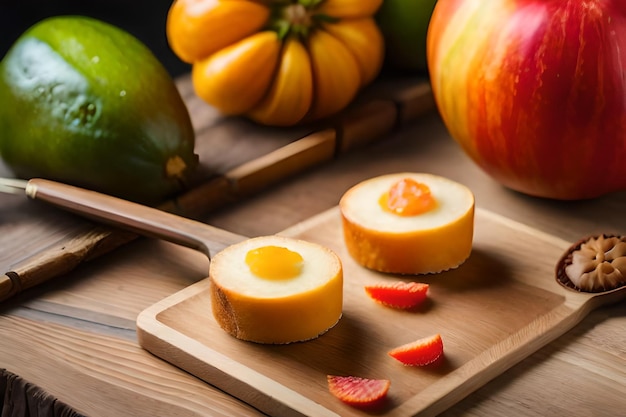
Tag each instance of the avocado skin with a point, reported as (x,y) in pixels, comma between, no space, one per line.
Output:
(86,103)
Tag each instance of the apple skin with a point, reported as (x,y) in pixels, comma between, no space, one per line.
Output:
(404,24)
(534,91)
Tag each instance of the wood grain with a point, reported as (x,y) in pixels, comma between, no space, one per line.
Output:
(492,312)
(238,159)
(580,374)
(147,221)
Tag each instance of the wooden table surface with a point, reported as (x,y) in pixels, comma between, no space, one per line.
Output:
(75,335)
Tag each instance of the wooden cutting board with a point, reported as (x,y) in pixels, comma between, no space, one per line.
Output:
(500,306)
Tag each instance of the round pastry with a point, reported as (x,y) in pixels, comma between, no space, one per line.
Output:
(408,223)
(594,264)
(276,290)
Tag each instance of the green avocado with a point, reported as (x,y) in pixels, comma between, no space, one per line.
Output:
(404,24)
(86,103)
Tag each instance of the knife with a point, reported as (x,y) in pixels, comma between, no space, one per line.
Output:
(143,220)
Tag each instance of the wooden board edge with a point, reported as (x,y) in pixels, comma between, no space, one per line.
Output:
(494,361)
(197,359)
(451,388)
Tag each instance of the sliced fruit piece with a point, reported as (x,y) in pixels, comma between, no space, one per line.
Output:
(357,391)
(419,353)
(399,294)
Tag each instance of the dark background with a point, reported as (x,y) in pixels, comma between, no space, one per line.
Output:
(145,19)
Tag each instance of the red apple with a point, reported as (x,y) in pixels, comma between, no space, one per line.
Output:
(535,91)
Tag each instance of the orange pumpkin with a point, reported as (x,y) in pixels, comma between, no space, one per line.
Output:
(277,62)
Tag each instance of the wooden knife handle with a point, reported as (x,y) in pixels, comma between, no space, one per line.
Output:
(143,220)
(123,214)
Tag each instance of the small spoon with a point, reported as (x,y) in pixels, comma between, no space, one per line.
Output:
(587,299)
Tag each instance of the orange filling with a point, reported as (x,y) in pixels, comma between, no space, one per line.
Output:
(274,262)
(407,197)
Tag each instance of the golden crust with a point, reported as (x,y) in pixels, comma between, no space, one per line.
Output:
(276,311)
(426,243)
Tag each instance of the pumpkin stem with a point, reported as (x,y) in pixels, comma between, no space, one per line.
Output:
(297,18)
(297,14)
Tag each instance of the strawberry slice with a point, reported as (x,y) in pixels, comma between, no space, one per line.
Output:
(398,294)
(359,392)
(419,353)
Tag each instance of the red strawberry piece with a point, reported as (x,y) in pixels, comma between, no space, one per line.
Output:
(398,294)
(359,392)
(419,353)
